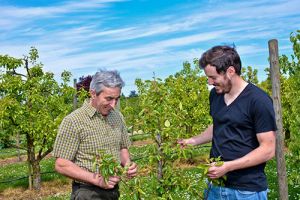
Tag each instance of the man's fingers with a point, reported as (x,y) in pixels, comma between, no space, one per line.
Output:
(132,166)
(182,143)
(114,179)
(132,170)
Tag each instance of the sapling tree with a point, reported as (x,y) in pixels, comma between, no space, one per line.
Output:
(33,105)
(174,108)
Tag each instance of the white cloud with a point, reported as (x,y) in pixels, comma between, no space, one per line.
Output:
(83,36)
(13,17)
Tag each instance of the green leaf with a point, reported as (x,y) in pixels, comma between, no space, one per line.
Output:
(180,106)
(167,123)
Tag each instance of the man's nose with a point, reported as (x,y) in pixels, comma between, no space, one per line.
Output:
(113,103)
(210,81)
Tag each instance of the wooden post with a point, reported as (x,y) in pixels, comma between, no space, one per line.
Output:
(75,95)
(275,80)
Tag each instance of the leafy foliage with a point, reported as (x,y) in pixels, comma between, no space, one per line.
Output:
(130,108)
(289,86)
(106,165)
(83,87)
(250,75)
(291,100)
(84,83)
(133,93)
(172,109)
(14,171)
(181,99)
(33,104)
(206,166)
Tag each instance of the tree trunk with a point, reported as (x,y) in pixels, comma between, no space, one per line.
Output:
(18,145)
(29,175)
(30,151)
(34,171)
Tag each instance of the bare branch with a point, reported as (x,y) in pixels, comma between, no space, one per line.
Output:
(16,73)
(43,155)
(27,65)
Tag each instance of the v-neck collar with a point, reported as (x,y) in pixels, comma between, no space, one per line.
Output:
(237,97)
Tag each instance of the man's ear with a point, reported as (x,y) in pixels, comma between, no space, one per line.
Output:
(230,72)
(93,94)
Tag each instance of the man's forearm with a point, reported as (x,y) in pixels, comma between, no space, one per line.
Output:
(71,170)
(204,137)
(125,157)
(261,154)
(265,151)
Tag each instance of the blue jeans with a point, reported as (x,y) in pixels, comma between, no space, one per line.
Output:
(223,193)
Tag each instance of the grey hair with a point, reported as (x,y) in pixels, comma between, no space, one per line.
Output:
(105,78)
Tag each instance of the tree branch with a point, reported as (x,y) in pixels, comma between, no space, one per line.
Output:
(44,154)
(27,66)
(16,73)
(41,155)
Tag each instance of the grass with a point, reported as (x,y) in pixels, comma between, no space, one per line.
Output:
(58,197)
(16,174)
(59,186)
(10,152)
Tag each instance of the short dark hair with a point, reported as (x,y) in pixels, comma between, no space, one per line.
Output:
(221,57)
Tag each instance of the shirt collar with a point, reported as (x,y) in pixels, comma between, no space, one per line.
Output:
(90,110)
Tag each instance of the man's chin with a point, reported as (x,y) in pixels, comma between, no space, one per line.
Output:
(105,113)
(218,90)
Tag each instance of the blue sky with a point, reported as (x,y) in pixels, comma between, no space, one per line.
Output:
(142,37)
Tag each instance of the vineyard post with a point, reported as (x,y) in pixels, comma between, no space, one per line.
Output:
(75,95)
(275,80)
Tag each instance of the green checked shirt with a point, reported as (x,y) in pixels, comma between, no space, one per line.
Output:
(85,131)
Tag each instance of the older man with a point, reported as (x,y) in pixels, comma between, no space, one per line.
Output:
(93,127)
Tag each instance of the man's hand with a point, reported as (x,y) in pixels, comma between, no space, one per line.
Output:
(132,170)
(110,184)
(215,172)
(183,142)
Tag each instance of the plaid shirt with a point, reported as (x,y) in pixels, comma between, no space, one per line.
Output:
(85,131)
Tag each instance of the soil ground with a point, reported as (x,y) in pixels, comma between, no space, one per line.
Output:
(52,188)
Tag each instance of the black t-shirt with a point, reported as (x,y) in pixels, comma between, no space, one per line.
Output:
(234,133)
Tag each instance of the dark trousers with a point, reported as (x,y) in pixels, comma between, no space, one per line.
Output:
(90,192)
